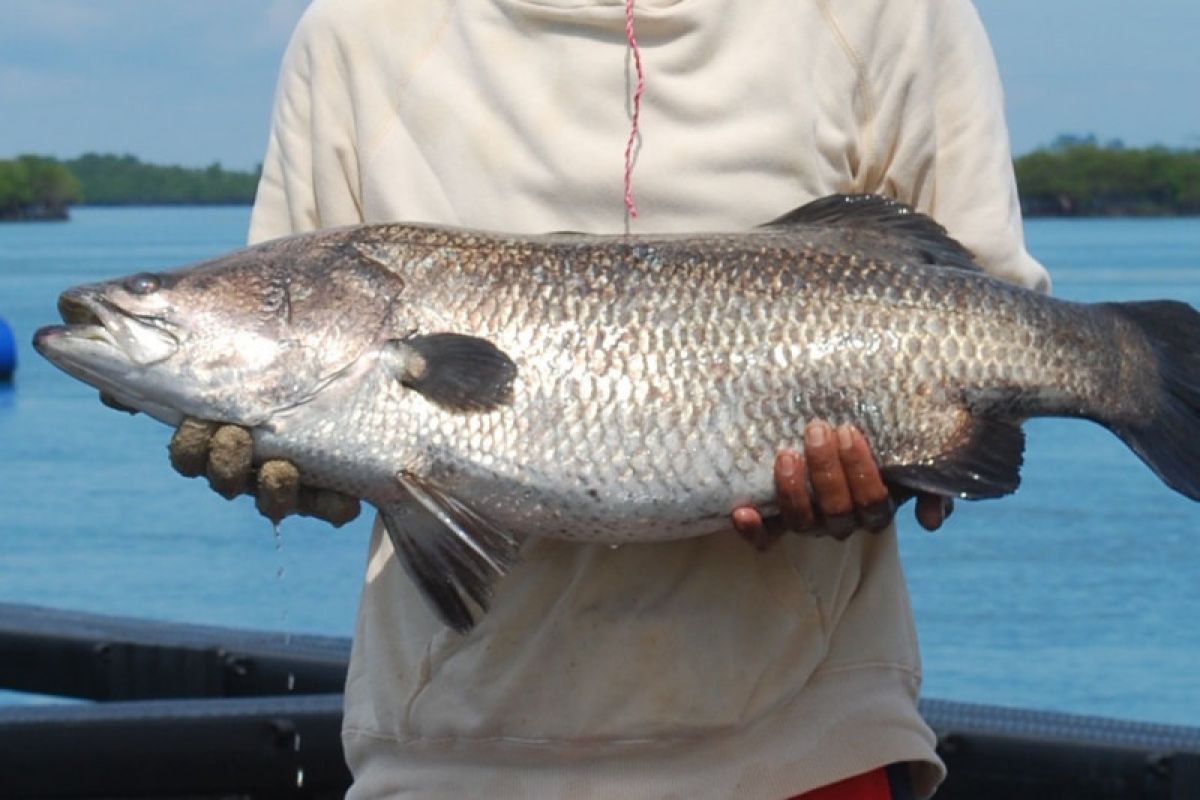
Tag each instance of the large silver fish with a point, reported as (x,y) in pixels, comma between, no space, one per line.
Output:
(480,387)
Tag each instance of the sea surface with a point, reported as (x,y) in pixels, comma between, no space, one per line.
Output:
(1080,593)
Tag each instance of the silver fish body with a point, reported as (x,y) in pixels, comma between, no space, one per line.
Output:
(478,386)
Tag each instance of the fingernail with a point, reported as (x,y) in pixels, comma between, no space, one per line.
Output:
(876,516)
(816,434)
(845,439)
(787,465)
(840,526)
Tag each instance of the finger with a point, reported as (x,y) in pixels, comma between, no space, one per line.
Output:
(877,516)
(831,491)
(932,510)
(791,491)
(231,451)
(189,447)
(871,497)
(858,464)
(116,404)
(278,493)
(334,507)
(750,526)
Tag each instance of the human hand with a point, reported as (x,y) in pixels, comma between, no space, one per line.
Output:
(225,455)
(833,489)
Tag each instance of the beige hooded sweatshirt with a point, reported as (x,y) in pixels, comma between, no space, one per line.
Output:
(692,669)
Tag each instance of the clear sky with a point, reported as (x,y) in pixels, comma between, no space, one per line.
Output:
(190,81)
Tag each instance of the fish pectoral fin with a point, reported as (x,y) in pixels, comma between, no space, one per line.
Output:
(925,239)
(986,464)
(453,370)
(453,554)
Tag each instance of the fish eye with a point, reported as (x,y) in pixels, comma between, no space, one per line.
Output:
(143,283)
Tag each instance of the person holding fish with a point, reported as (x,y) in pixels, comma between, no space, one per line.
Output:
(700,667)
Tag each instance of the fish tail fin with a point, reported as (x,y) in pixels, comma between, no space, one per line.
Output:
(1166,434)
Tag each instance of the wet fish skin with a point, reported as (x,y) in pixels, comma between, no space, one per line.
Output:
(474,386)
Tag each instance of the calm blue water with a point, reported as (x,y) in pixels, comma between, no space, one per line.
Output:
(1080,593)
(91,515)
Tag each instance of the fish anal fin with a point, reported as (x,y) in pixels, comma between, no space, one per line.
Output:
(927,240)
(413,538)
(452,553)
(985,462)
(453,370)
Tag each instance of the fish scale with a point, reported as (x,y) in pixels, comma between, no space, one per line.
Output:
(605,437)
(721,337)
(479,388)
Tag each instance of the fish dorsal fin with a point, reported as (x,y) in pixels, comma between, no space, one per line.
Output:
(455,371)
(452,553)
(925,238)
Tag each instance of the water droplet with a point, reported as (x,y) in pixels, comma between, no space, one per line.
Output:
(291,685)
(299,777)
(296,742)
(280,571)
(614,547)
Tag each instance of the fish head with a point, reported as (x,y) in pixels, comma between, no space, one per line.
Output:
(236,339)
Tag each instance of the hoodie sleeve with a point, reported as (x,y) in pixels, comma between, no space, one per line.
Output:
(310,171)
(939,139)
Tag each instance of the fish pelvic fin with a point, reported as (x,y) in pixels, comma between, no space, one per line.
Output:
(986,463)
(1167,435)
(453,554)
(458,372)
(922,238)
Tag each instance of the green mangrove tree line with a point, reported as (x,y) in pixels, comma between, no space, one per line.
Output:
(1079,177)
(32,187)
(110,180)
(35,187)
(1075,176)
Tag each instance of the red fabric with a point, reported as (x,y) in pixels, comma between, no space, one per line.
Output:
(868,786)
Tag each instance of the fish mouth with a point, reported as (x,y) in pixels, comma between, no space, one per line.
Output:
(96,324)
(82,324)
(109,348)
(75,311)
